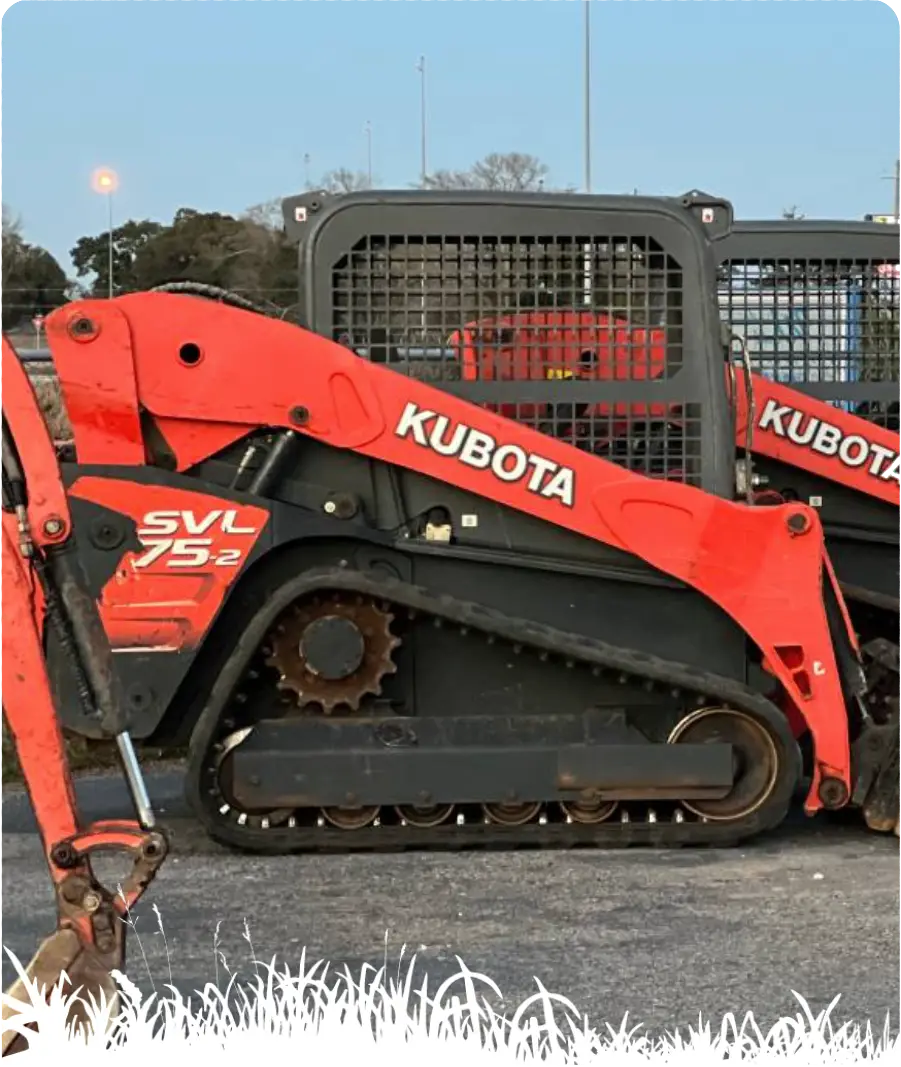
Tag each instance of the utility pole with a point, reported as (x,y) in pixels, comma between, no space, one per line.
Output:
(586,4)
(369,152)
(420,66)
(107,182)
(306,169)
(110,243)
(896,210)
(587,274)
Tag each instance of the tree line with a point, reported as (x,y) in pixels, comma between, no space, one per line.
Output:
(247,253)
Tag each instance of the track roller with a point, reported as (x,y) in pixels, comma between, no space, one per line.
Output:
(757,762)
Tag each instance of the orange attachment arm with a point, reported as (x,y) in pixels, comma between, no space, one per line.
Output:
(38,520)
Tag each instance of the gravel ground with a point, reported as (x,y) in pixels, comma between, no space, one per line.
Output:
(661,936)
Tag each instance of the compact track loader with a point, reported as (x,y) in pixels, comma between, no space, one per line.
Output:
(817,305)
(384,615)
(43,592)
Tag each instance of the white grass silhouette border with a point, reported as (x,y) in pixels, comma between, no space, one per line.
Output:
(312,1017)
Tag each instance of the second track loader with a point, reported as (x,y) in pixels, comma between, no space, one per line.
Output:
(816,305)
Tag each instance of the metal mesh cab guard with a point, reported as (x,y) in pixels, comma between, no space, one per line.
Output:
(590,318)
(817,304)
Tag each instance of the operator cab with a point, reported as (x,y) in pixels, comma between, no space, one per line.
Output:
(589,318)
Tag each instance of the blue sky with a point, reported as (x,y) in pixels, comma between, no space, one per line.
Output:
(213,105)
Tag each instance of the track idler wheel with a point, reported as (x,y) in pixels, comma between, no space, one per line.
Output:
(265,819)
(757,763)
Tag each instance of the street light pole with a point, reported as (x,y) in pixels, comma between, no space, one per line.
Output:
(369,152)
(587,275)
(110,205)
(586,4)
(896,197)
(421,68)
(106,181)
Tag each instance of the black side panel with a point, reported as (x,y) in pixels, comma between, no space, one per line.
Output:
(508,562)
(503,559)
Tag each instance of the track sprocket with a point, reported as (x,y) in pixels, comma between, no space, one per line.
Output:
(332,650)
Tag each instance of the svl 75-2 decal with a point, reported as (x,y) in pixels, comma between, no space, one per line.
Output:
(166,591)
(181,539)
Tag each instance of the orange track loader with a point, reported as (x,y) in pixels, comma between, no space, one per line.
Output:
(385,617)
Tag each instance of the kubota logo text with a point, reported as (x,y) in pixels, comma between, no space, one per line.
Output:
(158,530)
(508,463)
(852,449)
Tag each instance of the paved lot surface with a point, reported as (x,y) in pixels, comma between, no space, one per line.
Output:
(663,936)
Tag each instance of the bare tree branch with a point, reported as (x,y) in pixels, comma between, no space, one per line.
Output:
(267,214)
(512,172)
(341,180)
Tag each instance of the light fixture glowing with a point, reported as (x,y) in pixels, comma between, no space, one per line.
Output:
(104,180)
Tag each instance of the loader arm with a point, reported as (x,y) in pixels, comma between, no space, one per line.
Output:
(198,376)
(41,586)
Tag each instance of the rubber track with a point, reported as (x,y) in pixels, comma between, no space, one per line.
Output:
(628,664)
